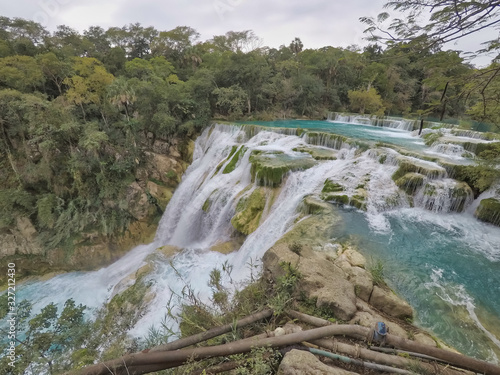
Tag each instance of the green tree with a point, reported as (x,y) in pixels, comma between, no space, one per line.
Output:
(54,70)
(21,73)
(368,101)
(89,83)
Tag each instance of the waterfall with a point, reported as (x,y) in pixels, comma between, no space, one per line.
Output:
(433,217)
(387,121)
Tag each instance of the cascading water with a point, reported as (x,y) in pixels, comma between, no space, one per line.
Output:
(417,239)
(387,122)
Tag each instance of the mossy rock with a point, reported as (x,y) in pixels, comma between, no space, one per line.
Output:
(318,153)
(269,169)
(336,198)
(410,182)
(332,187)
(249,212)
(312,205)
(489,211)
(162,194)
(314,230)
(479,177)
(234,160)
(228,246)
(462,193)
(358,201)
(406,166)
(431,138)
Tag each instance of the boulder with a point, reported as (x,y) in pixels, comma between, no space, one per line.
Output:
(355,258)
(300,362)
(362,281)
(322,280)
(386,301)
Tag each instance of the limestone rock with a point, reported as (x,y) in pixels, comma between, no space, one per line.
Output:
(389,303)
(321,279)
(138,205)
(168,250)
(300,362)
(164,168)
(162,194)
(355,258)
(362,281)
(25,227)
(20,240)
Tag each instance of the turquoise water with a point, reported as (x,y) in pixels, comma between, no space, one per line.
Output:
(363,132)
(446,266)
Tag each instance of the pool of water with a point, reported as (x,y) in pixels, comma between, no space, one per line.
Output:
(368,133)
(446,266)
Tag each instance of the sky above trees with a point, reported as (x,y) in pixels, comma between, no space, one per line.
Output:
(317,22)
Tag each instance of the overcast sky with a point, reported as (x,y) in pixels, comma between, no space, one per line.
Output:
(317,23)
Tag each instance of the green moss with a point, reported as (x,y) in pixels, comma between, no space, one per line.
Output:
(313,206)
(337,198)
(208,201)
(249,212)
(233,150)
(432,138)
(479,177)
(269,169)
(406,166)
(236,157)
(489,211)
(461,192)
(430,190)
(206,205)
(331,187)
(410,182)
(318,153)
(358,201)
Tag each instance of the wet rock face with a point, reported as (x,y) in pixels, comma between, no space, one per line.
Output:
(269,168)
(249,212)
(300,362)
(489,211)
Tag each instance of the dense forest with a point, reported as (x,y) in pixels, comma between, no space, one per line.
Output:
(76,110)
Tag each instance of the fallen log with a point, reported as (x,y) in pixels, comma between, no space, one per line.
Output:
(381,358)
(211,333)
(458,360)
(138,360)
(357,362)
